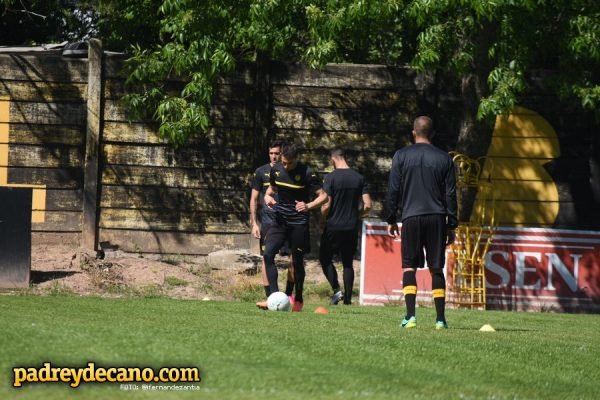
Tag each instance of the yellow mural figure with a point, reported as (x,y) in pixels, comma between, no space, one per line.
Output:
(39,191)
(526,195)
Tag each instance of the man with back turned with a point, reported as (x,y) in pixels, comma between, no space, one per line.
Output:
(422,190)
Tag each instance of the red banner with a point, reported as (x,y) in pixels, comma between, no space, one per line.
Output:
(526,269)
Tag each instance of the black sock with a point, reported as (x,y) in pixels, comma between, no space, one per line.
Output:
(271,274)
(409,287)
(348,284)
(267,290)
(289,288)
(331,274)
(300,274)
(438,284)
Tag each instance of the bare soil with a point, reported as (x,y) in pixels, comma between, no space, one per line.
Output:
(70,270)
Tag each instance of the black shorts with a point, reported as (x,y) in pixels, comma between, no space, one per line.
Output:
(264,231)
(338,242)
(424,232)
(296,236)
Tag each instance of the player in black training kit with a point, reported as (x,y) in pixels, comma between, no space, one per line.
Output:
(345,188)
(422,187)
(294,183)
(259,185)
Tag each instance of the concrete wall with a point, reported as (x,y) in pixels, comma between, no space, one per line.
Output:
(151,197)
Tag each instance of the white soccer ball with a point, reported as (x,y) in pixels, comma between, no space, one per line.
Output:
(278,301)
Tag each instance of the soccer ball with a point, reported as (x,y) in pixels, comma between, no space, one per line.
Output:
(278,301)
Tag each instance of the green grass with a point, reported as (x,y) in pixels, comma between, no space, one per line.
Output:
(175,281)
(354,352)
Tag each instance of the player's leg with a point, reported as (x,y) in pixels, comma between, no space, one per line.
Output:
(348,242)
(274,241)
(435,247)
(289,286)
(326,252)
(299,238)
(412,250)
(264,230)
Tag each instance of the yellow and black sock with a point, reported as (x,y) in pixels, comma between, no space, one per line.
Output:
(438,284)
(409,288)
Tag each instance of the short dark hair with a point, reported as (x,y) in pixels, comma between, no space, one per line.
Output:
(423,127)
(289,150)
(276,143)
(337,152)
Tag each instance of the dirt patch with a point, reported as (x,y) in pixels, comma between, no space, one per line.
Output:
(62,269)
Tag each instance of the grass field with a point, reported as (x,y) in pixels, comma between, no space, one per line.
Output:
(354,352)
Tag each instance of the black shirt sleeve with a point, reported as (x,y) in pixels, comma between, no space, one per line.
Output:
(272,177)
(365,186)
(256,183)
(313,181)
(394,195)
(451,204)
(327,184)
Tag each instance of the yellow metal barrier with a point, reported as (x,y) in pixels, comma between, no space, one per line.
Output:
(467,287)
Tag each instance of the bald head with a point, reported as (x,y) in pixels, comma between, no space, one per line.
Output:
(423,127)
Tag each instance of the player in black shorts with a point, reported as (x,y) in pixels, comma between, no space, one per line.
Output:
(345,188)
(294,183)
(260,228)
(422,188)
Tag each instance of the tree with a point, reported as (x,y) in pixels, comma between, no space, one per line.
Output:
(488,46)
(123,23)
(29,22)
(202,40)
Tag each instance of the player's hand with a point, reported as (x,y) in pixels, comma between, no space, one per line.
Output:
(256,231)
(393,231)
(301,206)
(270,201)
(451,237)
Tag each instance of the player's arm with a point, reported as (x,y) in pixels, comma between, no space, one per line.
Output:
(451,203)
(271,191)
(254,195)
(367,204)
(394,197)
(324,212)
(320,200)
(316,187)
(325,208)
(270,196)
(327,187)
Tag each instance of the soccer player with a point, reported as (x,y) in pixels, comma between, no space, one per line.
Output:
(422,188)
(295,184)
(345,188)
(260,227)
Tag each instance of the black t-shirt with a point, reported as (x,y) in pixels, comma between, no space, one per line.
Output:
(298,184)
(422,182)
(345,188)
(260,182)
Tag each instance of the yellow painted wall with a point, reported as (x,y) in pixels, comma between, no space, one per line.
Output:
(525,193)
(39,191)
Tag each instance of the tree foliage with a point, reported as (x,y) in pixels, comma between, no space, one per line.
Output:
(491,43)
(123,23)
(31,22)
(489,46)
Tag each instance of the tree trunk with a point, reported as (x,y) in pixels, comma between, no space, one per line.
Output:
(475,135)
